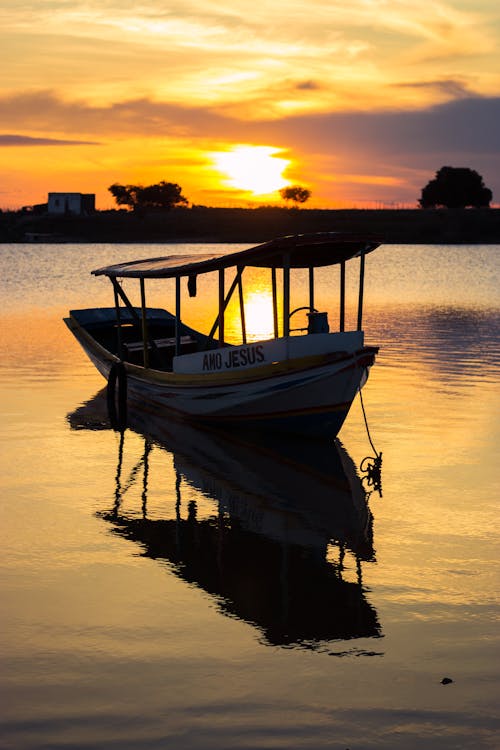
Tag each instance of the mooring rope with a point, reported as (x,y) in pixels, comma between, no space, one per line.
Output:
(371,466)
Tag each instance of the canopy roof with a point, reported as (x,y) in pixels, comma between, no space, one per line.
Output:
(299,251)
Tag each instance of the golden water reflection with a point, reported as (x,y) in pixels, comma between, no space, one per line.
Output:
(276,532)
(91,619)
(258,310)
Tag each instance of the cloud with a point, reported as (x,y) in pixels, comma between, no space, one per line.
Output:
(467,124)
(6,139)
(216,51)
(307,86)
(134,117)
(396,151)
(451,88)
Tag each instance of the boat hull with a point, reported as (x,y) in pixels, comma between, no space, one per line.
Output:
(307,396)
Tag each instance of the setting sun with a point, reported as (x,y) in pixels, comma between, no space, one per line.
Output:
(252,168)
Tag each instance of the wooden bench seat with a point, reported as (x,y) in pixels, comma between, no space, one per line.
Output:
(138,346)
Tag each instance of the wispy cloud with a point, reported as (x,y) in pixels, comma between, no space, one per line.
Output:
(471,122)
(132,118)
(451,88)
(6,139)
(220,54)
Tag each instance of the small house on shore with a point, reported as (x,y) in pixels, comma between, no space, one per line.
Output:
(77,204)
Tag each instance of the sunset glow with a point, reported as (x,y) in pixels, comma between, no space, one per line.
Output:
(355,102)
(253,168)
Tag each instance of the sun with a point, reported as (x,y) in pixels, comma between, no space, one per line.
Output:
(255,169)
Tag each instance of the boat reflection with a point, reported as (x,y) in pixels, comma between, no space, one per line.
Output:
(284,538)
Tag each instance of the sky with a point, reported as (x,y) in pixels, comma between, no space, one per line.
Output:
(361,103)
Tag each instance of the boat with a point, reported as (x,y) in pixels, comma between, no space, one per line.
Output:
(298,381)
(276,530)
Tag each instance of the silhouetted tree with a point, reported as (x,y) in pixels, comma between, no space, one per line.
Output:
(296,194)
(162,195)
(456,187)
(124,195)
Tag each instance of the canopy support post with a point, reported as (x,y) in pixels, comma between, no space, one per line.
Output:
(119,323)
(342,297)
(361,288)
(242,305)
(222,307)
(177,315)
(144,326)
(275,302)
(311,288)
(286,294)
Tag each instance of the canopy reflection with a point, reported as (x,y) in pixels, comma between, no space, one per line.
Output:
(284,545)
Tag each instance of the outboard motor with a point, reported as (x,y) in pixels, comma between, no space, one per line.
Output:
(318,322)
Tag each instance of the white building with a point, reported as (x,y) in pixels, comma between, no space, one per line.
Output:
(78,204)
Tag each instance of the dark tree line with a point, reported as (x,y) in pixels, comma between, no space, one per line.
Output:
(456,187)
(452,187)
(163,195)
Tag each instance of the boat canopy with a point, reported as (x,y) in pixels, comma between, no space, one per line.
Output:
(294,251)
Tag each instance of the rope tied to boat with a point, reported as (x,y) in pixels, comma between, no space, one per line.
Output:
(370,466)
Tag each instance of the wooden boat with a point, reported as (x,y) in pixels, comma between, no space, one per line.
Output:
(298,382)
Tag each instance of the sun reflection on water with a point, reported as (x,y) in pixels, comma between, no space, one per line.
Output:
(259,314)
(258,308)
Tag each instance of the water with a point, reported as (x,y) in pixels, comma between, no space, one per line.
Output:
(174,591)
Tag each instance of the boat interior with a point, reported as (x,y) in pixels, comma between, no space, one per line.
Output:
(124,338)
(123,334)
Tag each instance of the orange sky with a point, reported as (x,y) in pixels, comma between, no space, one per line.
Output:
(361,104)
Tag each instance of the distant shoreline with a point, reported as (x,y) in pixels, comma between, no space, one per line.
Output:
(254,225)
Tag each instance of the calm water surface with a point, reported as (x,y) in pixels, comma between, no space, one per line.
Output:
(169,589)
